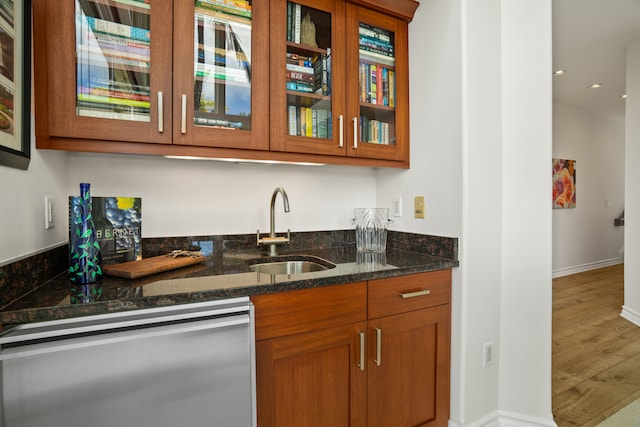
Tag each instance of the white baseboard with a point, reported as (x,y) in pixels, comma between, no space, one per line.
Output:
(508,419)
(586,267)
(630,315)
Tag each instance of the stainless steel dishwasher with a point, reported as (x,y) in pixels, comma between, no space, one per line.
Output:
(180,366)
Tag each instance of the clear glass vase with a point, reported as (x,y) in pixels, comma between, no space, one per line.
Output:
(85,261)
(371,229)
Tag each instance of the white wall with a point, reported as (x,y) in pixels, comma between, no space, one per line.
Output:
(187,197)
(22,193)
(585,237)
(631,308)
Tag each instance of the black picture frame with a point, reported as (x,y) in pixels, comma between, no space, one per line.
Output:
(15,76)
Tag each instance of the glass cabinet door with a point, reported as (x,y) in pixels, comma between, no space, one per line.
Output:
(306,76)
(221,86)
(378,85)
(111,77)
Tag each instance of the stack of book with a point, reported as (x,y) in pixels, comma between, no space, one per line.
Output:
(376,43)
(300,73)
(309,74)
(240,8)
(114,62)
(310,122)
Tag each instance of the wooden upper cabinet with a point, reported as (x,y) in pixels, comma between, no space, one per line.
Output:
(307,76)
(100,68)
(221,74)
(116,70)
(339,76)
(322,81)
(378,85)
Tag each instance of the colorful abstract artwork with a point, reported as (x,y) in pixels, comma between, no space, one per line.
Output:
(564,183)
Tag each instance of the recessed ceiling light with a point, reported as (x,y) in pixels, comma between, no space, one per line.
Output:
(596,86)
(559,72)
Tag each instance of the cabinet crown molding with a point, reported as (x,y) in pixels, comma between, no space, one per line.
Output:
(401,9)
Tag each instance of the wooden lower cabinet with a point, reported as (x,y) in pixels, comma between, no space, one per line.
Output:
(371,353)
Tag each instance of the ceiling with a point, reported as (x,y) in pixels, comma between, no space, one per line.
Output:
(589,42)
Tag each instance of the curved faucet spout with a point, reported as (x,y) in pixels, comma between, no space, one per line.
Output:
(272,213)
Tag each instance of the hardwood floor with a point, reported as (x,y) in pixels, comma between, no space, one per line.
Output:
(596,353)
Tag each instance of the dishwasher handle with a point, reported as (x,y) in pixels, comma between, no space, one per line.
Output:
(27,348)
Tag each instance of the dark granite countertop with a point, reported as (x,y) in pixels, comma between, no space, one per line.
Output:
(224,274)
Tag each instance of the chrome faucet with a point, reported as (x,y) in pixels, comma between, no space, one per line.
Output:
(273,240)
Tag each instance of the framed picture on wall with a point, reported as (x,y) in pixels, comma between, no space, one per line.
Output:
(15,83)
(564,183)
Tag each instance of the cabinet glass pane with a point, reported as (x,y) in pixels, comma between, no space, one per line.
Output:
(377,85)
(222,64)
(308,69)
(113,59)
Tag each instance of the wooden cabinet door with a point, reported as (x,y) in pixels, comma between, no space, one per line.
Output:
(307,76)
(377,120)
(408,369)
(221,74)
(312,379)
(106,70)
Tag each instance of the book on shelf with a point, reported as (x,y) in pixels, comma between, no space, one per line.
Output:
(373,31)
(296,21)
(322,73)
(201,120)
(374,131)
(109,27)
(240,9)
(392,88)
(113,100)
(98,91)
(300,87)
(377,84)
(296,76)
(322,123)
(376,44)
(309,122)
(293,120)
(297,59)
(300,68)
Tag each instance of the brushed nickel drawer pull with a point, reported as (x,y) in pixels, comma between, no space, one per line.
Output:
(341,131)
(378,358)
(183,115)
(361,362)
(355,132)
(414,294)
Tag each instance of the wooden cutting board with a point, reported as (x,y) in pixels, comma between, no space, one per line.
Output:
(148,266)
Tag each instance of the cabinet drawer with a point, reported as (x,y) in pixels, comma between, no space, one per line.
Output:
(293,312)
(406,293)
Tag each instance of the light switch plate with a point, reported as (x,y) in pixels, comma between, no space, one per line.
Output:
(48,212)
(397,206)
(419,207)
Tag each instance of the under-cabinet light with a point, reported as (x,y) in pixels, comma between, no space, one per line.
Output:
(559,72)
(244,161)
(596,86)
(623,96)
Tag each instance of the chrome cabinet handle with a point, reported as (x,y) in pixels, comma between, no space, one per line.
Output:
(160,113)
(355,132)
(341,131)
(183,122)
(378,358)
(361,362)
(414,294)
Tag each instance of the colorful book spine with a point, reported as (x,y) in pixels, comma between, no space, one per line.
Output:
(108,27)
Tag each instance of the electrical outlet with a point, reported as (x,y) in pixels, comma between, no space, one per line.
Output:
(487,354)
(48,212)
(397,206)
(418,206)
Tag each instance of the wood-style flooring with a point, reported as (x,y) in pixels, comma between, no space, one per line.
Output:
(596,353)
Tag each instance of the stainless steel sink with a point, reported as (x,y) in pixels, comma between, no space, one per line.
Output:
(289,264)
